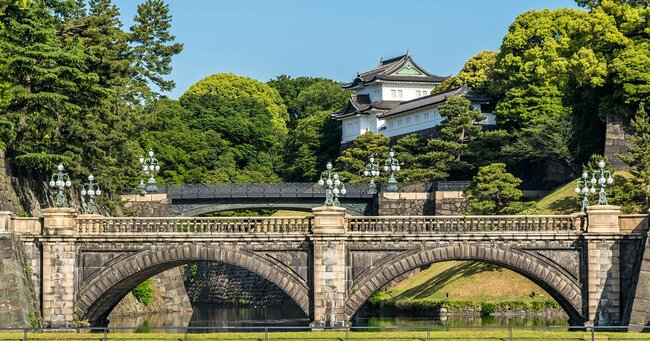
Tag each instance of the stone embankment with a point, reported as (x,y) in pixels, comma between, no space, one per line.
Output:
(170,296)
(18,307)
(224,284)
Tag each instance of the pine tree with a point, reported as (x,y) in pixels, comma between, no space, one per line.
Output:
(153,46)
(639,152)
(492,190)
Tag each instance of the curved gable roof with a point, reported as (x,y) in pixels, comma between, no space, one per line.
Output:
(390,70)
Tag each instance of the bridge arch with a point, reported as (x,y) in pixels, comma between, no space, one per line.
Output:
(98,297)
(560,286)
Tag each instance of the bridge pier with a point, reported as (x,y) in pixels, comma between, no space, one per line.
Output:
(329,252)
(58,277)
(603,266)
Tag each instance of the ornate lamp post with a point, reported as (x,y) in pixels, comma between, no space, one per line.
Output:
(150,167)
(60,181)
(333,186)
(91,189)
(587,187)
(372,170)
(392,165)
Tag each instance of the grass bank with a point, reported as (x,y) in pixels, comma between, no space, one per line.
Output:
(462,285)
(500,334)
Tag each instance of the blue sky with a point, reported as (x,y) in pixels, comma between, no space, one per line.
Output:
(334,39)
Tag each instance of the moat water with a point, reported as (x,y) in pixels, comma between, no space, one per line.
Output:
(219,316)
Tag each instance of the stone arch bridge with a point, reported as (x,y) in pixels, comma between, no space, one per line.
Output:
(331,263)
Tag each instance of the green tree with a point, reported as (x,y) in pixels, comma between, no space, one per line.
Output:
(355,158)
(320,96)
(290,88)
(477,73)
(421,162)
(493,190)
(457,132)
(152,46)
(639,154)
(314,141)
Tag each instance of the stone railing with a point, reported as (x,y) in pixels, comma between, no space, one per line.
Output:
(450,224)
(27,225)
(197,225)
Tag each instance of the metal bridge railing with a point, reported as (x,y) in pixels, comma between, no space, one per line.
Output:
(428,333)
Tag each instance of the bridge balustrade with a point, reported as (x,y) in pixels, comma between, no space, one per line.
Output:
(196,225)
(450,224)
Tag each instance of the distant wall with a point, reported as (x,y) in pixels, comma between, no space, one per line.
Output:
(406,203)
(617,139)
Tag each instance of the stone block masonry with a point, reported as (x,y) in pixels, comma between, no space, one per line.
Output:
(18,307)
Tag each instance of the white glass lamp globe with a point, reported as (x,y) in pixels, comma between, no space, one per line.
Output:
(52,183)
(343,191)
(337,182)
(321,182)
(601,180)
(365,173)
(335,190)
(601,164)
(392,168)
(610,180)
(372,159)
(157,168)
(593,181)
(91,177)
(141,159)
(329,182)
(150,152)
(68,183)
(58,183)
(578,190)
(60,167)
(152,167)
(585,190)
(392,153)
(83,192)
(329,166)
(397,168)
(592,190)
(91,192)
(378,173)
(98,192)
(585,175)
(385,168)
(336,176)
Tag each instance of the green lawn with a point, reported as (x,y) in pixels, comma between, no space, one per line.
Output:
(466,281)
(487,334)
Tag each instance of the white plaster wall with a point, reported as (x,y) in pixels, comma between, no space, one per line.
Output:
(411,122)
(374,90)
(353,127)
(409,91)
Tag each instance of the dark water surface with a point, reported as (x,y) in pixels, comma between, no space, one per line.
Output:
(220,316)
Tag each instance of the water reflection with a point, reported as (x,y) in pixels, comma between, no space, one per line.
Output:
(286,315)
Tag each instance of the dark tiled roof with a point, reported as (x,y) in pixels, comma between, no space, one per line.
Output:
(385,68)
(426,101)
(360,104)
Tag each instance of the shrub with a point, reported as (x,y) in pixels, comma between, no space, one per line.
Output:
(144,292)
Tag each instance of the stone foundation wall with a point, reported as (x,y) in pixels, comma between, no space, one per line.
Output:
(391,204)
(225,284)
(17,304)
(170,296)
(450,203)
(149,205)
(617,139)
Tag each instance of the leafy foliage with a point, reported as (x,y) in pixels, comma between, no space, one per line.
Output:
(144,292)
(477,73)
(355,158)
(493,190)
(639,153)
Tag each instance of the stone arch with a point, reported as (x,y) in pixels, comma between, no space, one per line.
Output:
(560,286)
(97,298)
